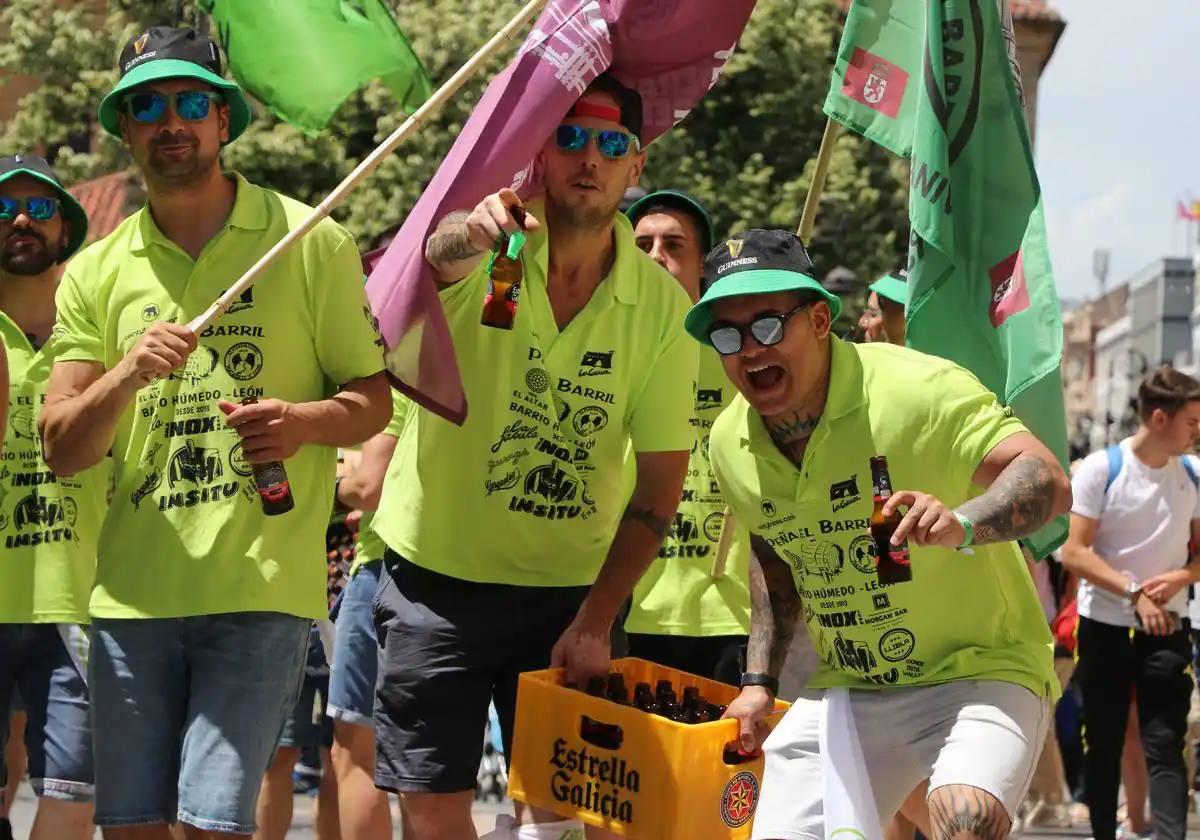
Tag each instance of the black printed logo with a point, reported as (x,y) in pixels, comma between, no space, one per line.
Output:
(683,527)
(197,464)
(596,364)
(853,655)
(712,525)
(199,366)
(243,361)
(708,398)
(149,484)
(897,644)
(244,301)
(862,554)
(881,601)
(564,409)
(537,381)
(238,462)
(506,482)
(822,559)
(768,508)
(36,511)
(842,494)
(589,420)
(551,483)
(150,312)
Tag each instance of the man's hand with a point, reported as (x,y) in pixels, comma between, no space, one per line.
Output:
(1162,588)
(585,650)
(750,709)
(1155,620)
(163,348)
(493,217)
(269,429)
(928,521)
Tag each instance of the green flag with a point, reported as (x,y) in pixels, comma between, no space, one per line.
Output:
(936,81)
(302,58)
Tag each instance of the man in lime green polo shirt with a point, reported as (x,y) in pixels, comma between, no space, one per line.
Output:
(883,319)
(510,544)
(49,524)
(202,602)
(691,610)
(944,668)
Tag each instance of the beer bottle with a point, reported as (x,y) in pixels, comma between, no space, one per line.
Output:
(272,482)
(616,689)
(691,698)
(595,686)
(643,698)
(504,278)
(664,691)
(893,565)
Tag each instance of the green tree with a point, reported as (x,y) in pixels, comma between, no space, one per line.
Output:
(747,150)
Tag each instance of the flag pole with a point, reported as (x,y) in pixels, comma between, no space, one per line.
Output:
(808,219)
(369,164)
(812,201)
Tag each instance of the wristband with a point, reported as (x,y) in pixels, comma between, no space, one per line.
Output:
(768,682)
(968,526)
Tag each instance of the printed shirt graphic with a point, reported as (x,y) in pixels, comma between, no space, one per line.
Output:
(48,524)
(529,490)
(678,595)
(961,616)
(186,533)
(370,546)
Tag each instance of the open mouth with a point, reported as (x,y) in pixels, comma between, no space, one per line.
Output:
(764,377)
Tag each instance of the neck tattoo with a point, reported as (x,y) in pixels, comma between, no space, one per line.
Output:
(792,434)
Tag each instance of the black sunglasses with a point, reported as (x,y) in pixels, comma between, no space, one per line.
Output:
(766,329)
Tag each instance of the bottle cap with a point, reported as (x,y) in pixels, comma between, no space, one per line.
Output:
(515,243)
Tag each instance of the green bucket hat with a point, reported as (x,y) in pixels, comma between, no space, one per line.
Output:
(893,286)
(165,53)
(37,168)
(758,262)
(679,200)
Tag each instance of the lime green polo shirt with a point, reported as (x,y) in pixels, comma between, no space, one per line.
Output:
(678,595)
(528,491)
(961,616)
(186,533)
(370,545)
(49,525)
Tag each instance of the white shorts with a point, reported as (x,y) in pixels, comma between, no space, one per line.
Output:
(985,734)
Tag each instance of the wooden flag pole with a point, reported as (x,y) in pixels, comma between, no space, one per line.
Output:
(369,164)
(808,220)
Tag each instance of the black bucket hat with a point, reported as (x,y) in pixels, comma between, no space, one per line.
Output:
(37,168)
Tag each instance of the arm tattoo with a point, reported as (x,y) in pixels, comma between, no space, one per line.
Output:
(957,811)
(1019,502)
(774,610)
(655,523)
(450,241)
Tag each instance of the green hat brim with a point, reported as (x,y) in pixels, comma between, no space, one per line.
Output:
(753,282)
(892,288)
(667,198)
(72,210)
(172,68)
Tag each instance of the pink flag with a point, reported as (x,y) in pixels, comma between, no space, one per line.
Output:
(671,52)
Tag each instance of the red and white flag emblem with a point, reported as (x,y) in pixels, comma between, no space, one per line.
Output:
(1010,295)
(875,82)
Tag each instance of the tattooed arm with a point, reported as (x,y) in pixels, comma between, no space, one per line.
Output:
(461,239)
(774,610)
(584,648)
(1026,488)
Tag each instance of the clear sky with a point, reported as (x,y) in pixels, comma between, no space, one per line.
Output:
(1118,135)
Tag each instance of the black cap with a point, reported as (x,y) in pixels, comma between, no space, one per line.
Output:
(164,42)
(37,168)
(756,262)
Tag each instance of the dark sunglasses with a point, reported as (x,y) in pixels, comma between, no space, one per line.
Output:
(612,144)
(37,208)
(150,106)
(766,329)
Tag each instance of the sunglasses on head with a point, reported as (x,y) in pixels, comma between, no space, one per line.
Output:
(612,144)
(150,106)
(726,339)
(37,208)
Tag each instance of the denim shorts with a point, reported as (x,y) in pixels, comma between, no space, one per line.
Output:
(355,650)
(58,734)
(304,729)
(188,712)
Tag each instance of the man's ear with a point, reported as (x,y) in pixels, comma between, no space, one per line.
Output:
(223,123)
(125,128)
(821,318)
(635,171)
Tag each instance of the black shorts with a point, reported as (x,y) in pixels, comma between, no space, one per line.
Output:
(721,658)
(448,647)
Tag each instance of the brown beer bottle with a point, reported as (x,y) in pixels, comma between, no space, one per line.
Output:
(271,481)
(504,279)
(616,689)
(643,698)
(595,686)
(893,564)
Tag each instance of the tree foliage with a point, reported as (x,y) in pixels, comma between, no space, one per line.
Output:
(747,150)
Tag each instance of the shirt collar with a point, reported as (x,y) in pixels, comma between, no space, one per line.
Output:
(249,213)
(620,281)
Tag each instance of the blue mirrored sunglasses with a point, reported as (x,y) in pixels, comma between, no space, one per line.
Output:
(612,144)
(150,106)
(37,208)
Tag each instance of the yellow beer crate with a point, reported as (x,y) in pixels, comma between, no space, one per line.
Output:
(635,774)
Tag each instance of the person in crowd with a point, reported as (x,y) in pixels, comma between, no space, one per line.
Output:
(883,319)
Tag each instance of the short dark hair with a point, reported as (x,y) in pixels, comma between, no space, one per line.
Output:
(1168,389)
(628,100)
